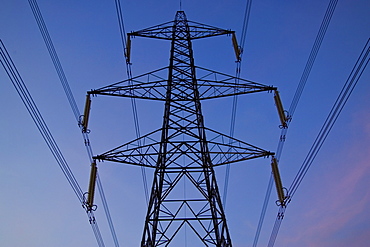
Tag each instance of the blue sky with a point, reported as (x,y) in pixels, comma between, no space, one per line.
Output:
(329,209)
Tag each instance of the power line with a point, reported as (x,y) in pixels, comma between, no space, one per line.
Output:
(247,12)
(54,57)
(235,97)
(41,125)
(126,50)
(337,108)
(312,57)
(29,103)
(342,99)
(315,49)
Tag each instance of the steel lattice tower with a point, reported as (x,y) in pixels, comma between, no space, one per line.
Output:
(183,150)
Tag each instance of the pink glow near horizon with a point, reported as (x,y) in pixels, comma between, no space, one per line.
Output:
(344,197)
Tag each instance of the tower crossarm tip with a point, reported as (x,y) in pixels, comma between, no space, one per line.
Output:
(142,151)
(225,149)
(151,85)
(213,84)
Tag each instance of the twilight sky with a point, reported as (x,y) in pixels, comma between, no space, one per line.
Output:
(330,208)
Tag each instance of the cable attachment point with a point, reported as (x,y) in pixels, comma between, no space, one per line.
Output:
(86,205)
(286,200)
(81,124)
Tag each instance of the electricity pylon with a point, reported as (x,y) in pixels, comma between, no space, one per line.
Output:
(183,150)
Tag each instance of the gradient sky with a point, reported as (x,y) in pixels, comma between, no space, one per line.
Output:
(330,208)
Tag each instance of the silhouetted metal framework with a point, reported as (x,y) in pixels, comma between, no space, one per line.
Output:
(183,150)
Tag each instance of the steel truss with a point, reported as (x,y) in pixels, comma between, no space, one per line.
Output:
(183,150)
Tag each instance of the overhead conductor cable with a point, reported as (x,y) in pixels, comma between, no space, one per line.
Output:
(238,49)
(36,116)
(49,44)
(312,57)
(127,53)
(338,106)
